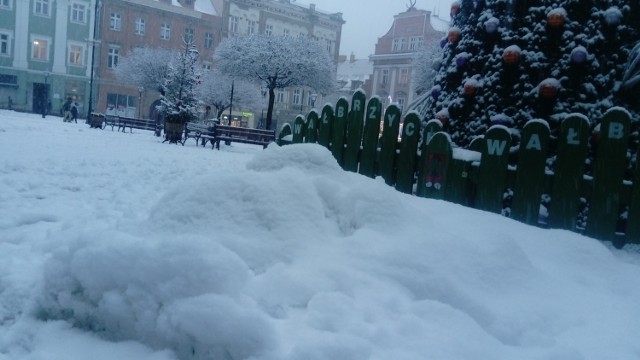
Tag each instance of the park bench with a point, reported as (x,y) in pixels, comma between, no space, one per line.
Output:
(230,134)
(201,132)
(142,124)
(111,120)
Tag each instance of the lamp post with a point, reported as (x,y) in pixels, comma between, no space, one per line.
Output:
(93,42)
(45,96)
(140,90)
(231,104)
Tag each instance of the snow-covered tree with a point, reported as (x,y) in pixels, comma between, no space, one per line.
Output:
(277,62)
(215,90)
(425,62)
(146,67)
(510,61)
(179,100)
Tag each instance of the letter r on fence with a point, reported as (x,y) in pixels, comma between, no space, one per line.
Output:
(616,130)
(356,105)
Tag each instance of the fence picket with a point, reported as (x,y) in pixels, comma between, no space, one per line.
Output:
(312,127)
(390,128)
(370,137)
(354,131)
(435,159)
(430,129)
(608,174)
(568,172)
(325,126)
(492,173)
(408,153)
(633,218)
(298,129)
(529,184)
(339,130)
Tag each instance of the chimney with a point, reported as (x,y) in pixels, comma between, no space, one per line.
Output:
(352,57)
(312,7)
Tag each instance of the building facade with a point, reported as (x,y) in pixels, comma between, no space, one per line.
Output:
(127,24)
(44,54)
(285,17)
(393,73)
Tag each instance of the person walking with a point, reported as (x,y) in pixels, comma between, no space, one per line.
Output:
(74,112)
(66,110)
(10,104)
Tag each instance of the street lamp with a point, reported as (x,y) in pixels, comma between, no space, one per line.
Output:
(45,96)
(93,42)
(140,90)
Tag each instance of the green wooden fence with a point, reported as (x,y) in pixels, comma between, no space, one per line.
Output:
(418,158)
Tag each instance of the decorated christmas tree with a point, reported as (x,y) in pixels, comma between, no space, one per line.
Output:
(510,61)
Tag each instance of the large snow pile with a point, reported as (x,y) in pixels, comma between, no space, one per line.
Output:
(115,245)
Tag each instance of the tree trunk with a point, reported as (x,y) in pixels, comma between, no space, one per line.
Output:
(272,98)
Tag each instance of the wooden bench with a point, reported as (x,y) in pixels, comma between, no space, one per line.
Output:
(111,120)
(230,134)
(142,124)
(201,132)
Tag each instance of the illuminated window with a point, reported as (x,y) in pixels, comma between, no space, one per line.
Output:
(165,32)
(140,26)
(42,7)
(40,50)
(78,13)
(75,55)
(115,22)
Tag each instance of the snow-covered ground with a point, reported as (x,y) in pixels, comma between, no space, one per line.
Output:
(116,246)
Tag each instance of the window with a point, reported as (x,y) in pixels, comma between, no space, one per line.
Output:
(121,105)
(403,43)
(280,96)
(206,66)
(329,44)
(413,43)
(385,77)
(396,45)
(115,22)
(78,13)
(208,40)
(113,57)
(285,32)
(253,27)
(140,26)
(5,4)
(75,55)
(404,76)
(40,49)
(5,44)
(233,24)
(165,32)
(189,34)
(42,7)
(400,100)
(268,29)
(296,97)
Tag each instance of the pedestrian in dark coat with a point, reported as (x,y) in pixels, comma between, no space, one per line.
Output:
(74,112)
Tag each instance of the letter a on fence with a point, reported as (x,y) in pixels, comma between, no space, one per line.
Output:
(529,185)
(370,137)
(391,124)
(312,127)
(354,131)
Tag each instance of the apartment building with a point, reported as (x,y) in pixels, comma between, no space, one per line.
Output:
(44,54)
(285,17)
(127,24)
(411,30)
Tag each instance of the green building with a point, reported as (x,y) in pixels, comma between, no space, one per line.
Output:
(45,53)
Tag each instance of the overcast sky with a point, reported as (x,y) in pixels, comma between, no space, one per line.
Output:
(367,20)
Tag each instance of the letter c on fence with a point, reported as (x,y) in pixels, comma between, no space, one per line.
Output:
(409,130)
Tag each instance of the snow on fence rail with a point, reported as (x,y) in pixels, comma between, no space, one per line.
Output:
(480,176)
